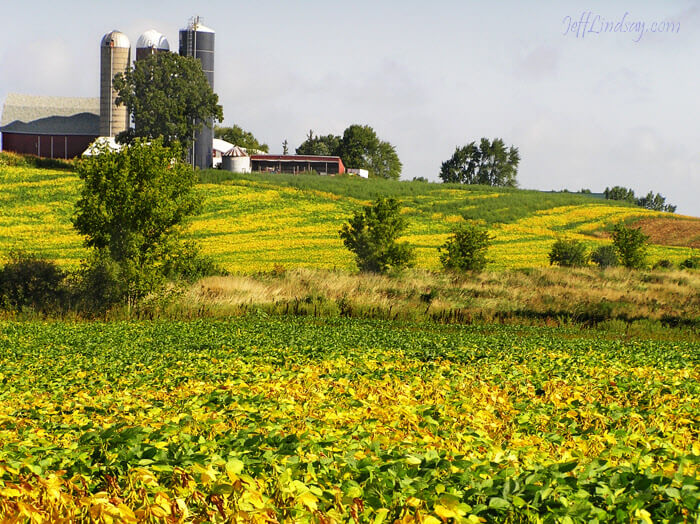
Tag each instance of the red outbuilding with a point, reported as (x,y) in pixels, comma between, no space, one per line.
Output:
(49,126)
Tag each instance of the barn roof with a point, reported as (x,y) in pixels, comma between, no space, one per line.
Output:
(50,115)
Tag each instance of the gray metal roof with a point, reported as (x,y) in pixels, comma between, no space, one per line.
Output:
(50,115)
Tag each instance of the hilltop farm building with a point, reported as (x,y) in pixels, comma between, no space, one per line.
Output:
(61,127)
(49,126)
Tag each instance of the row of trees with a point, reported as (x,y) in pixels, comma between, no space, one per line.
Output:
(656,202)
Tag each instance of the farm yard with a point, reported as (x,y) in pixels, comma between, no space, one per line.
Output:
(270,419)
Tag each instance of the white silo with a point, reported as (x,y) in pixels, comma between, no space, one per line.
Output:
(150,43)
(115,56)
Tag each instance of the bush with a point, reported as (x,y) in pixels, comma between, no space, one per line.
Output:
(631,246)
(663,264)
(605,256)
(28,281)
(466,249)
(568,253)
(691,263)
(371,235)
(99,285)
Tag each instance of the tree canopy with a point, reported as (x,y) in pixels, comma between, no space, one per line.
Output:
(131,208)
(656,202)
(359,147)
(489,163)
(328,145)
(168,96)
(240,137)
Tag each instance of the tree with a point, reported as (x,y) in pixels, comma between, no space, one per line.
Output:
(361,148)
(568,253)
(489,163)
(619,193)
(239,137)
(466,249)
(132,206)
(169,97)
(656,202)
(631,246)
(285,147)
(328,145)
(371,234)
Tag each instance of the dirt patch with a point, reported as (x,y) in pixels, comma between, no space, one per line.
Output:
(671,231)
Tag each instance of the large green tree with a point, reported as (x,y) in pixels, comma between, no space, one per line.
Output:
(328,145)
(240,137)
(169,97)
(361,148)
(132,206)
(489,163)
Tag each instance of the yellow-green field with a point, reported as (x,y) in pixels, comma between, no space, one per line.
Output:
(250,225)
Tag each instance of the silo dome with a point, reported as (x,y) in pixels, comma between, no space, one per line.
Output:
(152,39)
(115,39)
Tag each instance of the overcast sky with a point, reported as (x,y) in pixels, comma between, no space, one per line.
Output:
(586,108)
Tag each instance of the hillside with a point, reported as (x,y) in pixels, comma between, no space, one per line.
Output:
(253,223)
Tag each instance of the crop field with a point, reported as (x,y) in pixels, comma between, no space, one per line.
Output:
(262,419)
(254,223)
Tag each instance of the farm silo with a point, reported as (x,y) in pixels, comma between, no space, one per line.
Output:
(115,56)
(198,41)
(150,43)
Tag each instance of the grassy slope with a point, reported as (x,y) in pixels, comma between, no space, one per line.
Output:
(253,222)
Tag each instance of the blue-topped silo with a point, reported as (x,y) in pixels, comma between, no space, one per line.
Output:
(197,40)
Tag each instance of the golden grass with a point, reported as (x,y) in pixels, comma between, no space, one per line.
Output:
(578,293)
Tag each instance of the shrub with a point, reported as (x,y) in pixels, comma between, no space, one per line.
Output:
(568,253)
(28,281)
(466,249)
(605,256)
(691,263)
(371,235)
(664,263)
(99,285)
(631,245)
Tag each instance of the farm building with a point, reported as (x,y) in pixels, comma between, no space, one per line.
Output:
(49,126)
(324,165)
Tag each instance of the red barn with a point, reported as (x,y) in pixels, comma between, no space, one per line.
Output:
(49,126)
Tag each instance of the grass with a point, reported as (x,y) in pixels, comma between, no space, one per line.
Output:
(538,295)
(254,222)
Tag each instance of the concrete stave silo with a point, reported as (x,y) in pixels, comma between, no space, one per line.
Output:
(115,57)
(197,41)
(150,43)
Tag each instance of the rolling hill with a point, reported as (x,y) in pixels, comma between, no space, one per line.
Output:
(251,223)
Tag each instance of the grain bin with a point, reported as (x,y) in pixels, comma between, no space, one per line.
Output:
(115,56)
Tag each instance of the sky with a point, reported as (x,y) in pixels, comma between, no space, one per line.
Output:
(589,100)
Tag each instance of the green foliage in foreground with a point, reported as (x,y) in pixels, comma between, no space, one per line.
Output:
(299,419)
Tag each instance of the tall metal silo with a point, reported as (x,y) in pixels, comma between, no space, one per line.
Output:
(115,56)
(150,43)
(197,40)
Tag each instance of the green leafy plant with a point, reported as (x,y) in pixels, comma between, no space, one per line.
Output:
(28,281)
(631,246)
(605,256)
(132,207)
(568,253)
(691,263)
(371,234)
(466,249)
